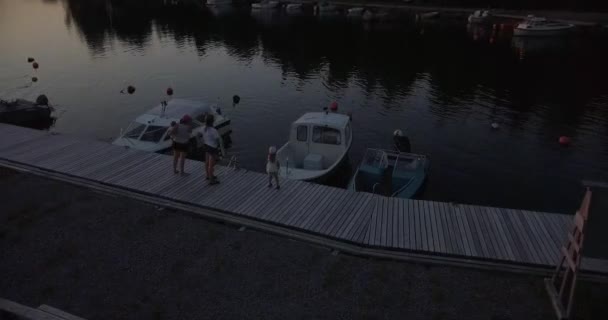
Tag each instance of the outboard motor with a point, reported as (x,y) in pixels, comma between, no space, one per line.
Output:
(402,143)
(42,100)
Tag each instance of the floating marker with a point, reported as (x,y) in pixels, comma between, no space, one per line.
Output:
(564,140)
(35,65)
(130,89)
(30,60)
(169,91)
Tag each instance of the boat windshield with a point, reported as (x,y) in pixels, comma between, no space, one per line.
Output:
(154,133)
(134,130)
(375,158)
(407,164)
(326,135)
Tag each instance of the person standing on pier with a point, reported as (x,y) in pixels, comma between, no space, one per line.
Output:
(272,167)
(180,134)
(212,145)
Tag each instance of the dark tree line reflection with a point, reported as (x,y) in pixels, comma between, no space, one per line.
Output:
(389,57)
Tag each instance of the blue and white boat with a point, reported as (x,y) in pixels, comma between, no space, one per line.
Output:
(390,173)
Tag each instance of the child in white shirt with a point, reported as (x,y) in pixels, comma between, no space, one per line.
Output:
(272,167)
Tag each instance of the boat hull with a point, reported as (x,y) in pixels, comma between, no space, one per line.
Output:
(521,32)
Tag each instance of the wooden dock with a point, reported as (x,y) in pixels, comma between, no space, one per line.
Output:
(368,224)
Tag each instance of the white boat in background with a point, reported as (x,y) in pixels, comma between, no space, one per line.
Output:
(265,5)
(294,8)
(428,15)
(218,2)
(479,16)
(149,131)
(318,143)
(538,26)
(355,12)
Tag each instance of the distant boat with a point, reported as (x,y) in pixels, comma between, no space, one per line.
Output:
(538,26)
(390,173)
(428,15)
(318,143)
(325,7)
(355,12)
(218,2)
(149,131)
(25,112)
(293,8)
(265,5)
(479,16)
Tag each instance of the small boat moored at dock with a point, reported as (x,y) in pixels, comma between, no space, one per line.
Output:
(538,26)
(318,143)
(25,112)
(390,173)
(149,131)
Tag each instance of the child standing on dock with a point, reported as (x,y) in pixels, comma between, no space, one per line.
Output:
(180,133)
(272,167)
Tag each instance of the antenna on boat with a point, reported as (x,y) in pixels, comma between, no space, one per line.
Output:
(163,105)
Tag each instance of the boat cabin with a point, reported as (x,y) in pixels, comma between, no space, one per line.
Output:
(317,141)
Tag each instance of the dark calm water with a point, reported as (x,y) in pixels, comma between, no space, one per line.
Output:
(441,83)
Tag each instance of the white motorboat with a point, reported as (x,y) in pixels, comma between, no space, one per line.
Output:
(479,16)
(538,26)
(318,143)
(149,131)
(265,5)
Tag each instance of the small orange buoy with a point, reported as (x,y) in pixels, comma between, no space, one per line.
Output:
(333,106)
(30,59)
(34,79)
(130,89)
(169,91)
(35,65)
(564,140)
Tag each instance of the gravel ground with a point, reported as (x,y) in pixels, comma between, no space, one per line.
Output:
(105,257)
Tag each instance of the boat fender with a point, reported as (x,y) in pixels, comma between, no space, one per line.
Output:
(42,100)
(333,106)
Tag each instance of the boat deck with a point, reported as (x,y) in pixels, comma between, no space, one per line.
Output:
(466,234)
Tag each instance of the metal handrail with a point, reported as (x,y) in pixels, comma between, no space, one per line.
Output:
(374,187)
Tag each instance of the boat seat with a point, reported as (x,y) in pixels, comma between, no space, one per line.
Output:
(313,161)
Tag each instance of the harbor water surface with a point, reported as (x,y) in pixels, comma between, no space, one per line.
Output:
(442,82)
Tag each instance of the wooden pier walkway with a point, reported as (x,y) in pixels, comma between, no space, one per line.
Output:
(463,233)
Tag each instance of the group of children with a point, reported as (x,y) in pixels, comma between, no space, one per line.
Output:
(181,132)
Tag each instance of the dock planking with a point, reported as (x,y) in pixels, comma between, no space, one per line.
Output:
(514,237)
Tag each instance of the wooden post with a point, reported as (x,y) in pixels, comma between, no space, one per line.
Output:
(566,272)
